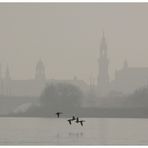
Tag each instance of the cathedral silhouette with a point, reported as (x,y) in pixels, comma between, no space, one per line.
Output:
(126,80)
(31,87)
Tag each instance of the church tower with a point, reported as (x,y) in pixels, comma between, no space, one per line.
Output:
(7,74)
(1,81)
(103,76)
(125,65)
(7,82)
(40,71)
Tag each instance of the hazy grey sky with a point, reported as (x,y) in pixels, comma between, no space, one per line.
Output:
(67,37)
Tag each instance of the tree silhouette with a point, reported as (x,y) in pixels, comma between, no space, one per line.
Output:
(60,97)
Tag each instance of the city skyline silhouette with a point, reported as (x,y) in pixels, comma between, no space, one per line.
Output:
(67,38)
(73,73)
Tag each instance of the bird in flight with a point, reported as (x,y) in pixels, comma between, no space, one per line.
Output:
(69,121)
(72,119)
(81,122)
(58,114)
(77,120)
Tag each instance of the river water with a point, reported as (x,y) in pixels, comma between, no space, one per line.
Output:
(53,131)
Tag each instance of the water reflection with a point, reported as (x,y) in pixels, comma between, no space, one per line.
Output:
(58,138)
(75,134)
(102,131)
(72,137)
(75,137)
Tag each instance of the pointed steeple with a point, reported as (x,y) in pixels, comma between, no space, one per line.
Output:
(90,81)
(103,62)
(7,73)
(103,45)
(7,86)
(0,71)
(40,71)
(125,66)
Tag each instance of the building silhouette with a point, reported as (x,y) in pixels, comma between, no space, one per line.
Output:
(127,79)
(28,87)
(7,82)
(31,87)
(103,62)
(40,71)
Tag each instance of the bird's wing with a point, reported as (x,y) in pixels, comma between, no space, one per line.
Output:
(69,121)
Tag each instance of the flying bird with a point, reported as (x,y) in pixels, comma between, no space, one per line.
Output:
(58,114)
(77,120)
(73,118)
(69,121)
(81,122)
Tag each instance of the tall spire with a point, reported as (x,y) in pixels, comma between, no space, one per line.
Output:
(103,76)
(103,34)
(0,71)
(7,86)
(103,45)
(125,64)
(91,81)
(40,71)
(7,74)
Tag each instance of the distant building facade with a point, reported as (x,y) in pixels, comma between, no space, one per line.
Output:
(31,87)
(127,79)
(103,76)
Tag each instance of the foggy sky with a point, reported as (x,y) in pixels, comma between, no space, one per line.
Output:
(67,38)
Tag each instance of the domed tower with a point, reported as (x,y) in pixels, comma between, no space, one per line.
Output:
(103,76)
(40,71)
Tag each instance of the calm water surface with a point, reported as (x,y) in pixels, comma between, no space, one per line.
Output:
(96,131)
